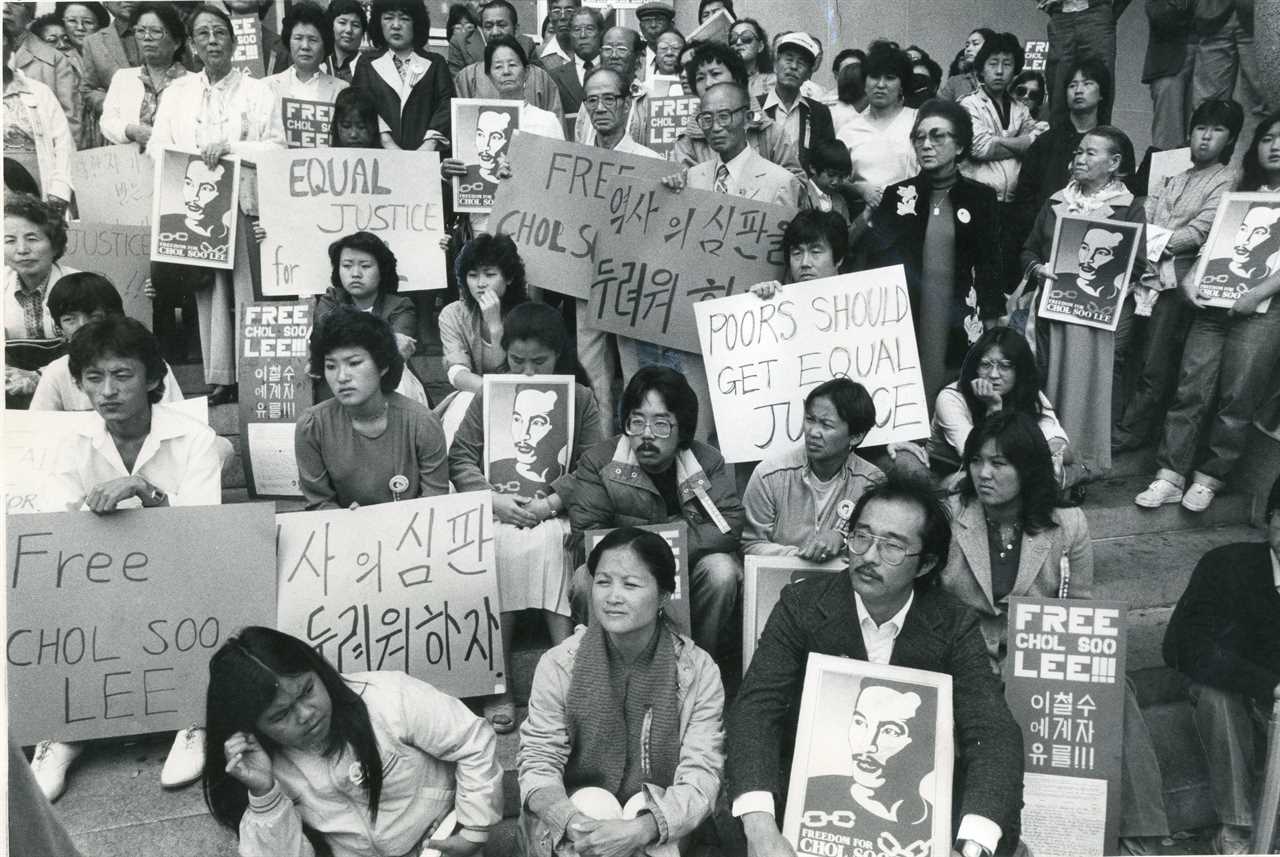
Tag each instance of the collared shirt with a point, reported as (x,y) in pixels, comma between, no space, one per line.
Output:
(629,146)
(580,66)
(321,87)
(879,639)
(17,315)
(786,117)
(552,48)
(737,165)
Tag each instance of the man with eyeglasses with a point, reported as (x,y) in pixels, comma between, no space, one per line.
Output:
(656,473)
(886,609)
(805,121)
(587,34)
(655,17)
(620,52)
(559,50)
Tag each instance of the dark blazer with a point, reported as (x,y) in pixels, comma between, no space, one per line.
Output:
(1170,25)
(939,634)
(815,126)
(428,105)
(566,78)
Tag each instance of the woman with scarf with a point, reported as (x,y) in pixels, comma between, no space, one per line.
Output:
(627,706)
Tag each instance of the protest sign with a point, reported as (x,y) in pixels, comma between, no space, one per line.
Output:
(112,620)
(667,116)
(405,586)
(1243,248)
(762,357)
(1093,261)
(1065,684)
(113,184)
(306,123)
(528,431)
(667,251)
(715,29)
(1037,56)
(762,583)
(1165,164)
(121,253)
(193,214)
(676,534)
(853,796)
(482,129)
(274,390)
(554,207)
(247,55)
(311,198)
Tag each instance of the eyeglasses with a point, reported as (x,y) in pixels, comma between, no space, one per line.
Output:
(607,101)
(660,427)
(206,34)
(937,138)
(562,12)
(891,552)
(744,39)
(615,51)
(1003,366)
(150,32)
(585,31)
(719,119)
(1023,91)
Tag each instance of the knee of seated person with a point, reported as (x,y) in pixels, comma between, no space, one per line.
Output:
(719,571)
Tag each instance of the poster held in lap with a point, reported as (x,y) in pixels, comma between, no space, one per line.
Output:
(528,432)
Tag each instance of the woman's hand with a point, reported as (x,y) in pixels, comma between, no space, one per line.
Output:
(491,313)
(540,509)
(140,134)
(213,152)
(1042,273)
(259,233)
(452,168)
(986,392)
(870,192)
(1247,304)
(106,496)
(1191,291)
(767,290)
(511,509)
(676,181)
(454,846)
(249,763)
(613,838)
(821,545)
(406,345)
(149,289)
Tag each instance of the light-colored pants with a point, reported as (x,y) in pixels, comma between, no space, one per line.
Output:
(1170,105)
(599,359)
(1220,57)
(1233,732)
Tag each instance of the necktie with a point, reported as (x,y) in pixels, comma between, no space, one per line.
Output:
(402,66)
(722,179)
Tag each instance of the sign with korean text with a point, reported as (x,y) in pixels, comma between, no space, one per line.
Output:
(112,620)
(311,198)
(1065,684)
(306,123)
(401,586)
(556,202)
(114,184)
(248,53)
(667,116)
(763,357)
(676,534)
(1243,249)
(274,391)
(121,253)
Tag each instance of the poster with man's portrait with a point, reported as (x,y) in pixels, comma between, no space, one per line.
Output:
(1243,248)
(528,432)
(1093,261)
(871,776)
(482,130)
(193,215)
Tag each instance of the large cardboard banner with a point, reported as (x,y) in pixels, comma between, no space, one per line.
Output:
(121,253)
(311,198)
(556,204)
(676,534)
(401,586)
(306,123)
(193,215)
(667,116)
(1243,248)
(1065,684)
(482,130)
(871,776)
(1093,261)
(762,358)
(114,184)
(248,52)
(763,580)
(112,620)
(528,432)
(274,391)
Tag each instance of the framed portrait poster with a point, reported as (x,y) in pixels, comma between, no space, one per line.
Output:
(528,431)
(1093,261)
(482,130)
(762,583)
(1243,248)
(193,216)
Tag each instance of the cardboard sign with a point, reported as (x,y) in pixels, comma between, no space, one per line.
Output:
(311,198)
(193,214)
(907,804)
(274,390)
(1037,56)
(763,580)
(248,53)
(762,358)
(1065,684)
(677,535)
(482,130)
(1243,248)
(667,115)
(714,29)
(554,206)
(112,620)
(528,432)
(1093,261)
(401,586)
(1165,164)
(306,123)
(114,184)
(122,254)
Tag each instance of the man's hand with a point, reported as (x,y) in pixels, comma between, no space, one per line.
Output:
(676,181)
(763,837)
(107,495)
(455,846)
(1042,273)
(767,290)
(614,838)
(1247,304)
(821,545)
(1191,291)
(452,168)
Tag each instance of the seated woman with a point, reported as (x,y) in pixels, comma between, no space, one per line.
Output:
(305,761)
(533,565)
(626,705)
(1010,537)
(798,500)
(368,444)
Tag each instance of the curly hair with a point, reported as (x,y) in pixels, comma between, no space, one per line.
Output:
(415,9)
(1018,437)
(500,252)
(118,336)
(41,215)
(346,327)
(707,53)
(366,242)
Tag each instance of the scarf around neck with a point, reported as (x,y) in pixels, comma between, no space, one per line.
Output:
(1076,201)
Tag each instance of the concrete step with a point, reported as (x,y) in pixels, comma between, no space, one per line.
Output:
(1187,799)
(1152,570)
(1111,513)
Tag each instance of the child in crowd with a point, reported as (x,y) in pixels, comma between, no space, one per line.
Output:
(831,179)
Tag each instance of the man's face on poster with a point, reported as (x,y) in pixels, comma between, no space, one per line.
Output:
(1096,251)
(492,130)
(1254,231)
(879,730)
(200,188)
(531,423)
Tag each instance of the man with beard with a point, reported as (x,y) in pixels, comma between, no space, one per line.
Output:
(1097,255)
(540,436)
(1255,255)
(199,230)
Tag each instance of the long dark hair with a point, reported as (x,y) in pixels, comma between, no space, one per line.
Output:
(244,676)
(1019,439)
(1252,176)
(1025,397)
(540,323)
(357,101)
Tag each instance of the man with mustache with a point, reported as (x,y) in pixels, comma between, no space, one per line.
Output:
(206,201)
(1096,254)
(539,435)
(1255,253)
(493,133)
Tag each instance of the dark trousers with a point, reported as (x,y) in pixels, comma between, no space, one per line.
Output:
(1157,354)
(1072,36)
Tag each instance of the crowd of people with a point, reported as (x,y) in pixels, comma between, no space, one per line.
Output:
(964,182)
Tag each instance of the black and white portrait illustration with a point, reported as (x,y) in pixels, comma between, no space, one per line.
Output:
(528,431)
(482,130)
(194,219)
(1092,262)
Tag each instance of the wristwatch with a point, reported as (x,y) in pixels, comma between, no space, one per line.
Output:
(970,848)
(154,497)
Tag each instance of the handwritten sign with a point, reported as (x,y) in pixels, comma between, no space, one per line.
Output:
(1064,682)
(1243,248)
(275,390)
(121,253)
(762,357)
(407,586)
(677,536)
(248,53)
(114,184)
(553,208)
(309,199)
(762,582)
(667,116)
(112,620)
(306,123)
(1037,55)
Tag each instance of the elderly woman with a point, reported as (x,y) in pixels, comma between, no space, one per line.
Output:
(348,23)
(133,98)
(368,444)
(749,39)
(941,227)
(666,54)
(653,745)
(81,20)
(308,36)
(512,77)
(879,137)
(36,133)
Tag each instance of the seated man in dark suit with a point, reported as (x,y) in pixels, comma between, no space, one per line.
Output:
(1224,635)
(886,609)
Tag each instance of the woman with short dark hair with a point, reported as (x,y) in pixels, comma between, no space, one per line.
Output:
(879,137)
(307,34)
(348,24)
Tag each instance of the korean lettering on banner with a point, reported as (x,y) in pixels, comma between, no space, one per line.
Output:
(120,253)
(762,358)
(274,390)
(667,115)
(553,208)
(1037,53)
(114,184)
(1065,684)
(112,620)
(667,251)
(407,586)
(248,53)
(306,123)
(311,198)
(676,534)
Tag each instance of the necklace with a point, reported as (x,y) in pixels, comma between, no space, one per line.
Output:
(1007,536)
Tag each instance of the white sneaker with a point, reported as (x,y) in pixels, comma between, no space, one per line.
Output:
(1162,492)
(50,764)
(186,759)
(1198,497)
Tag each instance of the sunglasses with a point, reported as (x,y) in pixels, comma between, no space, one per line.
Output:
(1028,92)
